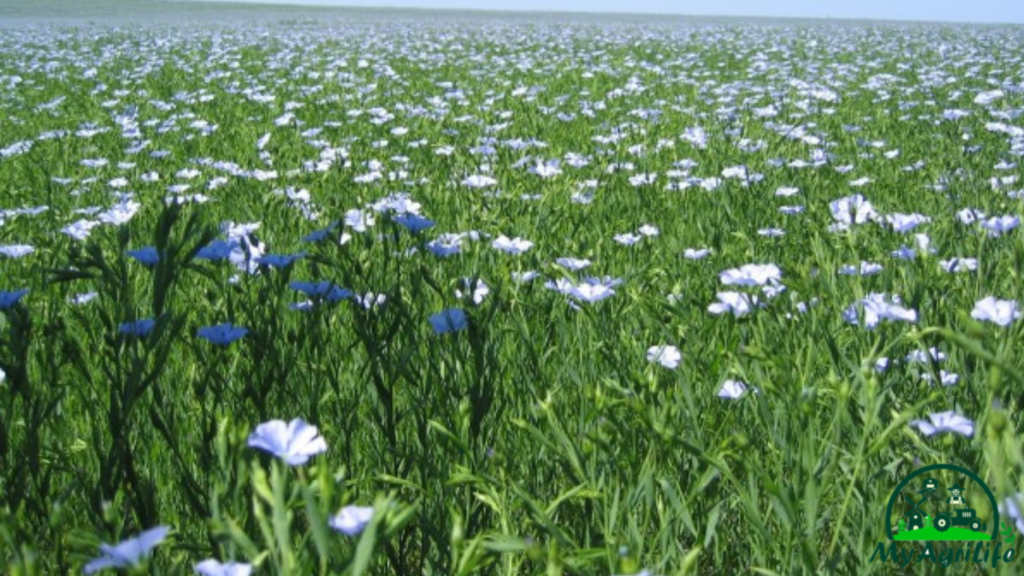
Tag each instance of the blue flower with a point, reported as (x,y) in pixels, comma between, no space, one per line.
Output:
(294,442)
(323,289)
(451,320)
(127,554)
(148,255)
(351,520)
(16,250)
(222,334)
(278,260)
(318,235)
(414,222)
(212,567)
(138,327)
(8,299)
(216,250)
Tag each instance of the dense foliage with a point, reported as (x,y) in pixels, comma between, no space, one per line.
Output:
(559,297)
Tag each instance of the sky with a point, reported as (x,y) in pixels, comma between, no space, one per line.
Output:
(996,11)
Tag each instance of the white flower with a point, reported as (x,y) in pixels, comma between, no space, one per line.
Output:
(479,288)
(294,442)
(212,567)
(923,357)
(514,246)
(573,263)
(359,220)
(865,269)
(947,378)
(351,520)
(129,553)
(667,356)
(692,254)
(732,389)
(881,365)
(906,222)
(850,210)
(16,250)
(478,181)
(945,422)
(877,308)
(590,293)
(751,275)
(524,277)
(627,239)
(83,298)
(986,98)
(736,302)
(959,264)
(1001,312)
(80,230)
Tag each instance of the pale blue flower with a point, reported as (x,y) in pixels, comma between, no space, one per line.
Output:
(738,303)
(945,422)
(351,520)
(524,277)
(479,181)
(999,225)
(446,245)
(732,389)
(878,307)
(84,298)
(667,355)
(751,275)
(212,567)
(129,553)
(864,269)
(359,220)
(627,239)
(573,264)
(959,265)
(514,246)
(1001,312)
(947,378)
(1012,507)
(922,357)
(16,250)
(294,442)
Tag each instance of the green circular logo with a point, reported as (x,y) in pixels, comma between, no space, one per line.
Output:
(945,521)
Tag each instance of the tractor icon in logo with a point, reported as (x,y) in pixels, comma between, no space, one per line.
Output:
(962,517)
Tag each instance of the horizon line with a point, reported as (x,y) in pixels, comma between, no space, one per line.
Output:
(330,5)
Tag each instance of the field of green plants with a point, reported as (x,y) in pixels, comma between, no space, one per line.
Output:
(455,295)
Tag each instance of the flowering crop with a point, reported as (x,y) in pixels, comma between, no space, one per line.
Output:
(561,296)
